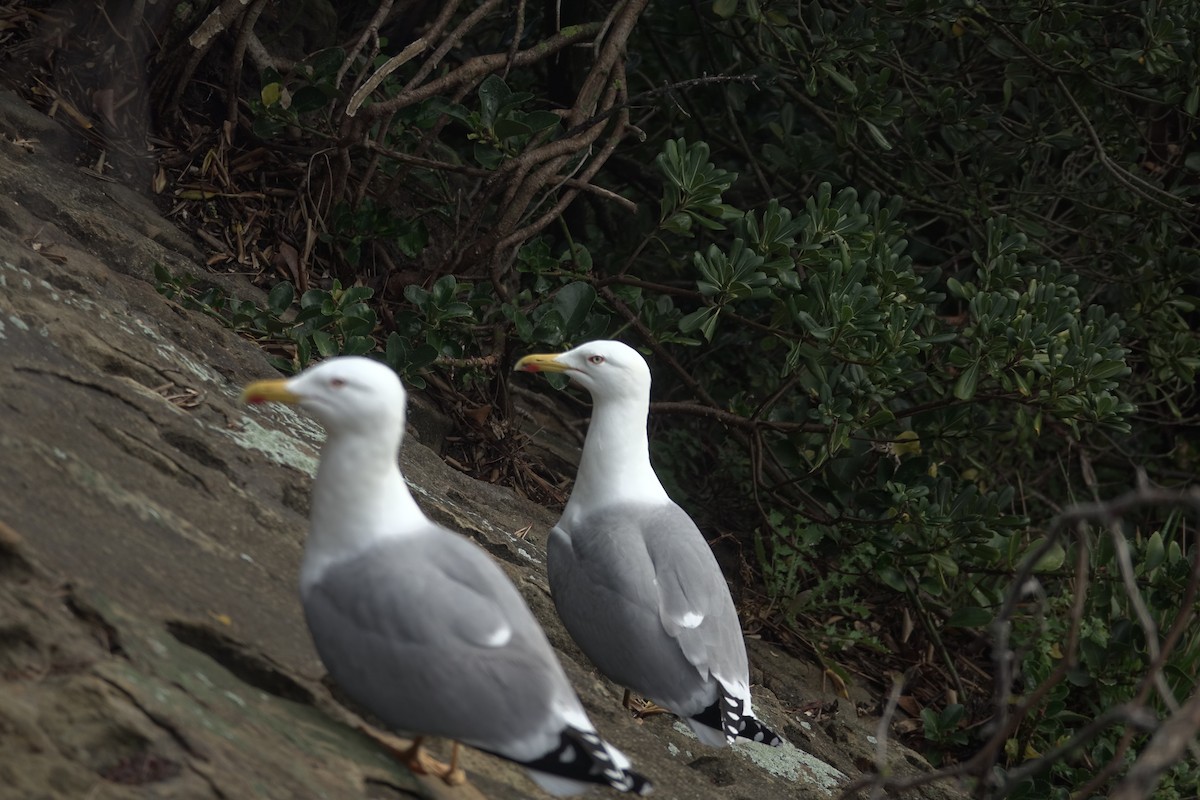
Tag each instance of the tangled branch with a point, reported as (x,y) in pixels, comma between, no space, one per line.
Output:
(1171,738)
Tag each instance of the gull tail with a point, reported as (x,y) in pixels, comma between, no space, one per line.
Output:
(729,718)
(583,759)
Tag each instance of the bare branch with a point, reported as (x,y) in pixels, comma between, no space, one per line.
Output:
(263,58)
(453,38)
(1172,738)
(612,50)
(218,21)
(1134,183)
(516,39)
(1166,747)
(369,34)
(391,65)
(245,31)
(480,66)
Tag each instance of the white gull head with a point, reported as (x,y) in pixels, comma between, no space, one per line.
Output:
(615,465)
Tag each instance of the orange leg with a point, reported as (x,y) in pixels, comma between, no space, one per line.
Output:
(641,708)
(418,760)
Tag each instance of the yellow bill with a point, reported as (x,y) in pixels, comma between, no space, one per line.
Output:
(275,391)
(540,362)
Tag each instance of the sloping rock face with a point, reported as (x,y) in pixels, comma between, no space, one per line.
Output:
(151,528)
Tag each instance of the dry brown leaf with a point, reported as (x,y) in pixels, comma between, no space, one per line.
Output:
(839,685)
(287,261)
(479,415)
(159,182)
(909,705)
(103,104)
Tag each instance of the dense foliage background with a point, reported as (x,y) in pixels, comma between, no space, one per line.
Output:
(914,278)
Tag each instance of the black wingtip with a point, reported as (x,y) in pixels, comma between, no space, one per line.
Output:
(583,756)
(728,715)
(755,731)
(634,783)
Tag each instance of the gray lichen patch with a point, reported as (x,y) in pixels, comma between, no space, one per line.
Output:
(279,447)
(525,554)
(468,517)
(130,325)
(290,420)
(787,762)
(793,764)
(107,489)
(172,354)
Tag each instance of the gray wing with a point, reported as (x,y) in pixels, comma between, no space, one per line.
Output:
(429,635)
(640,591)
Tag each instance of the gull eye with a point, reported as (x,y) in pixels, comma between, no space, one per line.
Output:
(595,359)
(336,383)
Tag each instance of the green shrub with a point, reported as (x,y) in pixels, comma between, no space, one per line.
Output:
(913,277)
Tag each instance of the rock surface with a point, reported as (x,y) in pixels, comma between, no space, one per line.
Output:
(151,527)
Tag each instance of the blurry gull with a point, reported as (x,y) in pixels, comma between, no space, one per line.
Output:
(632,577)
(414,622)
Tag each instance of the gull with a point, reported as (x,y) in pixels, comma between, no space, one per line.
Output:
(632,577)
(414,622)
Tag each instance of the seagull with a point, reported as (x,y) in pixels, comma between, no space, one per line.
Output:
(632,577)
(414,622)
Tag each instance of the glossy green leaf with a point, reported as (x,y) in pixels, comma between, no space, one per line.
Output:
(964,387)
(1156,552)
(725,8)
(325,344)
(969,617)
(573,303)
(492,93)
(280,297)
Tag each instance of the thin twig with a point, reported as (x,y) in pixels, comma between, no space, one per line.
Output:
(369,34)
(245,31)
(734,420)
(1136,716)
(518,34)
(1165,748)
(882,727)
(1142,187)
(1170,740)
